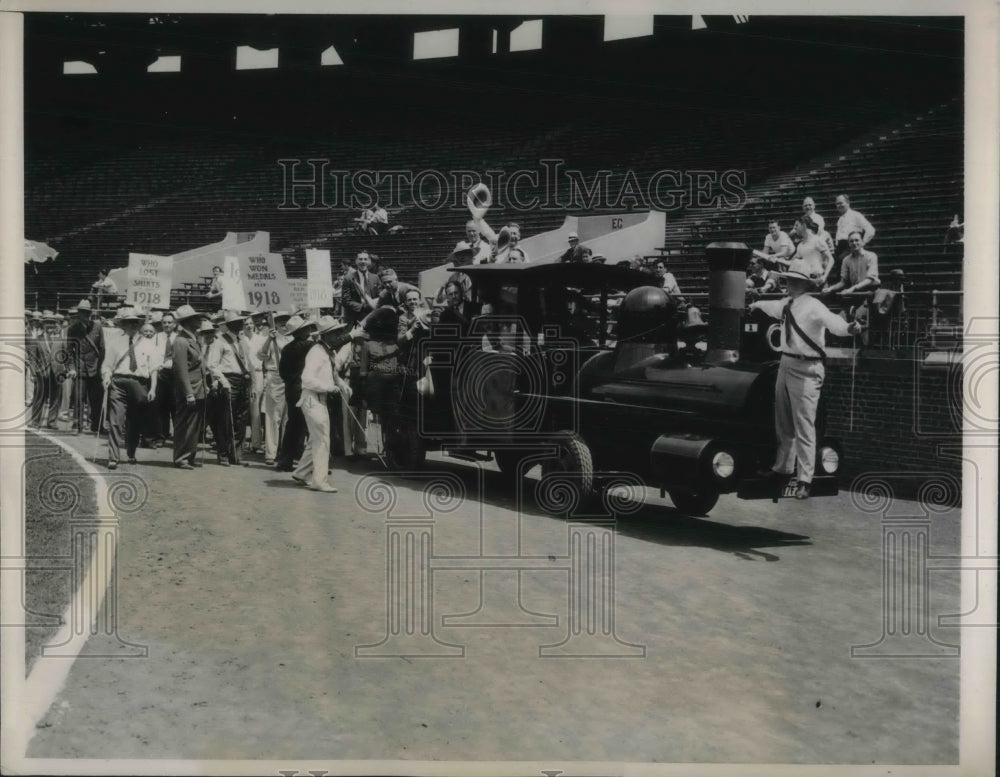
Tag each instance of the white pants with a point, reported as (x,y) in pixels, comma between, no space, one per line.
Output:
(796,397)
(256,400)
(275,413)
(315,462)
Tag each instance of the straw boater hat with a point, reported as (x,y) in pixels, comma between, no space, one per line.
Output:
(48,315)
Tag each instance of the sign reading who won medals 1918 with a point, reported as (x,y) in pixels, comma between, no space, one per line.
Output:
(265,285)
(149,280)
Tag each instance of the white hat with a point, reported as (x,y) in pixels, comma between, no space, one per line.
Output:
(572,236)
(295,323)
(185,312)
(329,324)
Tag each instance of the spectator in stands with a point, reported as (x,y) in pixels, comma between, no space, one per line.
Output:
(858,270)
(778,246)
(573,253)
(809,209)
(482,251)
(800,376)
(103,287)
(812,255)
(850,221)
(955,233)
(760,280)
(360,290)
(215,287)
(85,338)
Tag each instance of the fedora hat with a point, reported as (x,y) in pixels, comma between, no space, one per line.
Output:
(184,312)
(84,305)
(329,324)
(48,315)
(296,324)
(205,326)
(232,316)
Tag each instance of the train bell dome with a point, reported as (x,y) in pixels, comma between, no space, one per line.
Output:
(647,314)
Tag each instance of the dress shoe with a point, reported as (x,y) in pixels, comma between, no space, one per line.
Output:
(269,462)
(223,463)
(112,465)
(324,487)
(131,460)
(802,492)
(183,465)
(300,481)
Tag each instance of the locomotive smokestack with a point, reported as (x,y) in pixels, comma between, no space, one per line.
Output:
(727,266)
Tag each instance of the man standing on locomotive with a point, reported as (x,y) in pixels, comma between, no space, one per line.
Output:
(805,321)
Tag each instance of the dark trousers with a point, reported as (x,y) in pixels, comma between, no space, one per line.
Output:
(294,438)
(228,414)
(47,387)
(127,400)
(162,412)
(89,393)
(189,423)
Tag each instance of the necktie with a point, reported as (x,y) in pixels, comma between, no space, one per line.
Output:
(166,347)
(133,365)
(786,317)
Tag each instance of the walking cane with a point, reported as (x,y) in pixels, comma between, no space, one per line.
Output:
(100,425)
(232,426)
(201,431)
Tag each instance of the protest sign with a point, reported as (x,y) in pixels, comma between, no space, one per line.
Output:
(320,278)
(149,279)
(265,285)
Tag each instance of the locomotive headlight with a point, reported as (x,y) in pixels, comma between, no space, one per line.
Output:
(829,459)
(723,465)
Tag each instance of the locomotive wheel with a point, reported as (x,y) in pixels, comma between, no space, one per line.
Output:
(573,459)
(694,502)
(404,450)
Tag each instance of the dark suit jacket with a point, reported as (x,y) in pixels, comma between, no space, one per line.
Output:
(87,347)
(462,316)
(189,367)
(355,307)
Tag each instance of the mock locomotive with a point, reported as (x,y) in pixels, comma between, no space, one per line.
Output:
(693,422)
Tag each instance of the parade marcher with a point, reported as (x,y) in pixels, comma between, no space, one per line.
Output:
(413,325)
(129,374)
(85,337)
(273,408)
(50,371)
(805,321)
(189,388)
(164,341)
(320,378)
(36,371)
(290,365)
(229,402)
(256,338)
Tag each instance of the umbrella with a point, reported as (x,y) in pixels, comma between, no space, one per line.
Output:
(36,253)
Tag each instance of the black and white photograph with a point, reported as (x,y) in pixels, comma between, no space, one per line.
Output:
(505,389)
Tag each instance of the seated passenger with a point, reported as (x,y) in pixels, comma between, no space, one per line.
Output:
(512,252)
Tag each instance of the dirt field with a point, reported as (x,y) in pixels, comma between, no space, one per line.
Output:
(734,632)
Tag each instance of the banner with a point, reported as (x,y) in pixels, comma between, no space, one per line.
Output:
(320,278)
(233,297)
(299,290)
(149,279)
(263,282)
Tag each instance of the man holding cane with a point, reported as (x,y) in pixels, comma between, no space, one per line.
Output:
(189,388)
(86,339)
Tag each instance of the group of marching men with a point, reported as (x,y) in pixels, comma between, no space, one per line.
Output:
(284,376)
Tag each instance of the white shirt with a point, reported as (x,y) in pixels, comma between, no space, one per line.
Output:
(165,348)
(269,354)
(670,285)
(221,358)
(774,246)
(812,256)
(317,374)
(483,253)
(116,361)
(852,221)
(813,318)
(254,344)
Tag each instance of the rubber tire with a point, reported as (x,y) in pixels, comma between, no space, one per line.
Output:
(575,457)
(694,503)
(404,450)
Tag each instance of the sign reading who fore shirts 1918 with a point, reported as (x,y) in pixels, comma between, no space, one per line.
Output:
(149,280)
